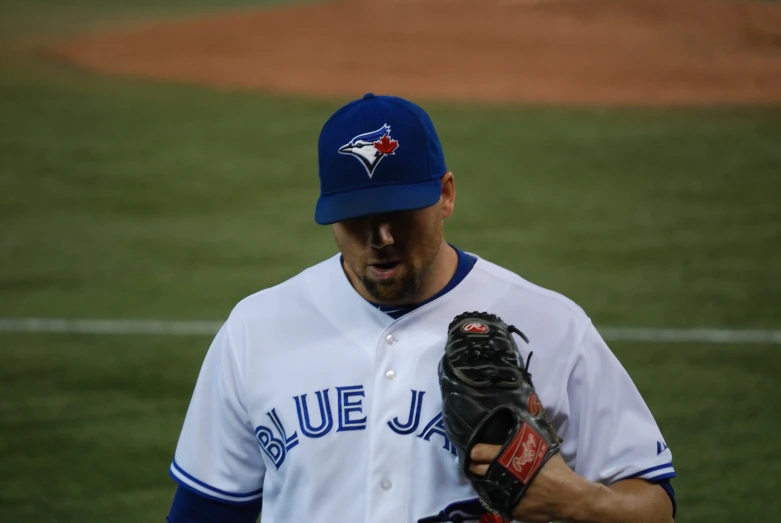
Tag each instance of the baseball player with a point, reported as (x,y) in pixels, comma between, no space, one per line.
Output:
(318,400)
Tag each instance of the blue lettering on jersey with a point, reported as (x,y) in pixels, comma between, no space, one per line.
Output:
(349,416)
(275,448)
(326,419)
(411,425)
(290,442)
(437,426)
(349,405)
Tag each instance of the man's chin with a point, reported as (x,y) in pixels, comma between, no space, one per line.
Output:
(388,291)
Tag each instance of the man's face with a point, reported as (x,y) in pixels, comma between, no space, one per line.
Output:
(392,255)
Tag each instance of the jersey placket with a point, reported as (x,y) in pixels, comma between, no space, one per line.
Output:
(392,414)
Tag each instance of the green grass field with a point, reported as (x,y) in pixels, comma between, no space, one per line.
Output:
(130,199)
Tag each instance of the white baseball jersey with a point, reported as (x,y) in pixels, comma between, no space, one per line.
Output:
(330,409)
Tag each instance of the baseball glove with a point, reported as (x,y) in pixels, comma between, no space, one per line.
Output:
(488,397)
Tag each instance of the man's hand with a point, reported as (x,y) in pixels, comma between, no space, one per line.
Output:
(559,494)
(553,494)
(488,396)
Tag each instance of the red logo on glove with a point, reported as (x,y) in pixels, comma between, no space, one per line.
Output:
(475,327)
(534,405)
(525,453)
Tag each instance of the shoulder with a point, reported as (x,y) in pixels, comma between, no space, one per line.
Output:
(268,307)
(560,332)
(517,289)
(554,323)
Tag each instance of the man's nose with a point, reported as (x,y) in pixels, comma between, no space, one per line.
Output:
(381,235)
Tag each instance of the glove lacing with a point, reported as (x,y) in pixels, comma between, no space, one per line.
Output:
(487,353)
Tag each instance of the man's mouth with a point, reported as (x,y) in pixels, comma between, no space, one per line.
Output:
(385,265)
(384,270)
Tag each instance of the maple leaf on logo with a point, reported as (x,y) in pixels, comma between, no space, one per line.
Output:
(491,518)
(385,145)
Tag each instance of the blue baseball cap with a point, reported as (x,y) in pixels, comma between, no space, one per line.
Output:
(378,154)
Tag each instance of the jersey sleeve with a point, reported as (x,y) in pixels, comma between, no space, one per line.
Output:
(610,433)
(217,455)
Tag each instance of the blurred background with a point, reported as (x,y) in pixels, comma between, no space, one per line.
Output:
(158,164)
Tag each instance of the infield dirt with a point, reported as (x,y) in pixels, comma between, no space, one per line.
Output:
(638,52)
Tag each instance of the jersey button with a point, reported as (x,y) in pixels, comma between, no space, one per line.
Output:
(390,339)
(390,375)
(386,485)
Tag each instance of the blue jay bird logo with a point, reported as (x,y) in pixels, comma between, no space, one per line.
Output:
(466,511)
(370,148)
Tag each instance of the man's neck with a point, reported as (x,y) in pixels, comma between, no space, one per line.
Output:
(442,271)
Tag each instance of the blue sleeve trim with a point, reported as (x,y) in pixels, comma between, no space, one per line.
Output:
(191,507)
(206,495)
(181,471)
(662,477)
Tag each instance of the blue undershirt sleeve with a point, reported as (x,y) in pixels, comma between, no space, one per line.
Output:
(189,507)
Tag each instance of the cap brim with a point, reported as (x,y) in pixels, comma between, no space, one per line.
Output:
(375,200)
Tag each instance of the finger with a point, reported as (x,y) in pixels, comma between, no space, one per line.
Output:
(480,470)
(484,453)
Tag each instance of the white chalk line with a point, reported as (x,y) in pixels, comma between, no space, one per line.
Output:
(209,328)
(109,326)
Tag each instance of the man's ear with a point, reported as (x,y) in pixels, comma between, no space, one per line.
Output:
(448,194)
